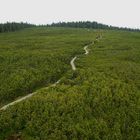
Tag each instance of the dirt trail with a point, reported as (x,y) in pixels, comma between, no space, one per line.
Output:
(53,85)
(86,51)
(28,96)
(73,59)
(72,63)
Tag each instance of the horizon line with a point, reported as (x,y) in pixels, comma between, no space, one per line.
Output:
(55,22)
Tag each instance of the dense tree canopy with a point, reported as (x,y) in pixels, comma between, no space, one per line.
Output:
(88,24)
(13,26)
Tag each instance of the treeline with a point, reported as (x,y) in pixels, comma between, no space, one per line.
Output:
(88,24)
(13,26)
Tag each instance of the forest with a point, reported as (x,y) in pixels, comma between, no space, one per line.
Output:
(89,24)
(13,26)
(98,101)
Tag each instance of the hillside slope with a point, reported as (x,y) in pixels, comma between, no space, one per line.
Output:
(98,101)
(36,57)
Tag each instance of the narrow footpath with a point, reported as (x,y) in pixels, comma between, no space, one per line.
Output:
(72,63)
(73,59)
(53,85)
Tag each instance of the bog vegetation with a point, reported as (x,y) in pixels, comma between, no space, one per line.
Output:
(98,101)
(36,57)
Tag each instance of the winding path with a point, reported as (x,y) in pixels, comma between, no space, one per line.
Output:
(27,96)
(53,85)
(86,51)
(72,63)
(73,59)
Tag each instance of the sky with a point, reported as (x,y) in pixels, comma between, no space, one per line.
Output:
(122,13)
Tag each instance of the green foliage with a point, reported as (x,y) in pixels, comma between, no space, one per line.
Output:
(13,26)
(33,58)
(98,101)
(89,24)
